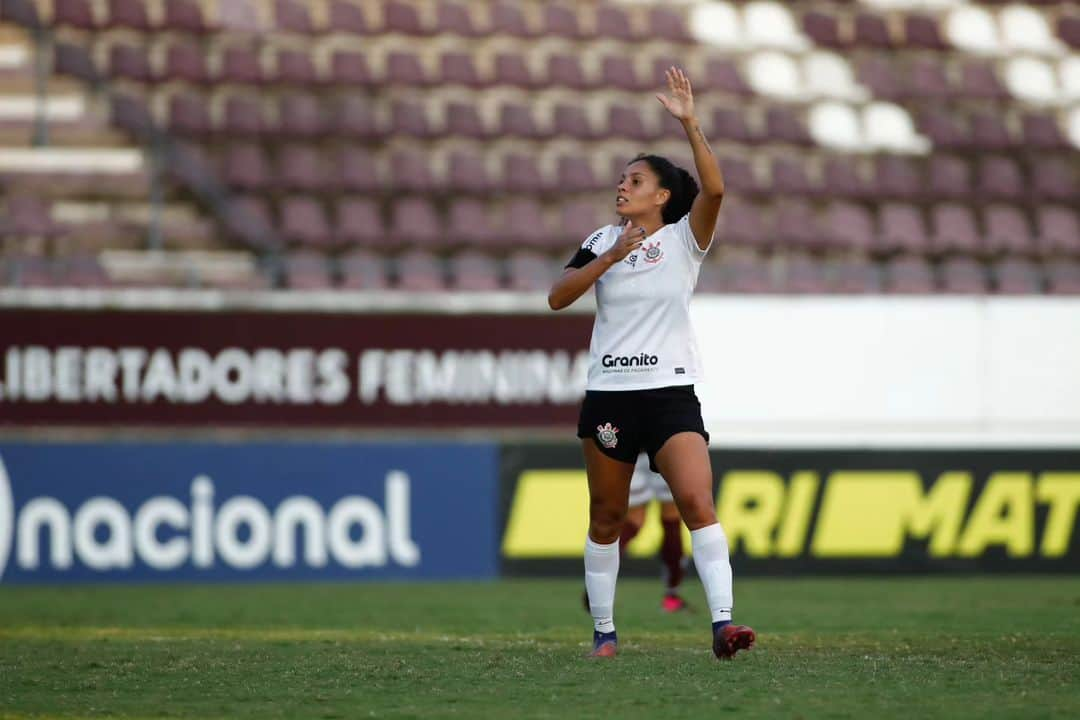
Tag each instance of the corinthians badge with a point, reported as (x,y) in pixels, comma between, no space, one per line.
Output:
(607,435)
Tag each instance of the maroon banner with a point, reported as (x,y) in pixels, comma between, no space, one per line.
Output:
(277,369)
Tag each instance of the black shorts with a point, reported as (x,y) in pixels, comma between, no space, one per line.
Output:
(622,423)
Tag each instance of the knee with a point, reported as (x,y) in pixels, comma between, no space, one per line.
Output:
(605,522)
(698,511)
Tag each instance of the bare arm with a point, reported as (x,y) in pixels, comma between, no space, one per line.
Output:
(706,206)
(575,282)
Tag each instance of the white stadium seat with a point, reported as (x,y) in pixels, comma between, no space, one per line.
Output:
(828,75)
(836,125)
(1073,127)
(770,24)
(1033,80)
(717,23)
(1069,70)
(973,29)
(1025,28)
(775,74)
(889,127)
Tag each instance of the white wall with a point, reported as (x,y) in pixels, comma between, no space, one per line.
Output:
(811,371)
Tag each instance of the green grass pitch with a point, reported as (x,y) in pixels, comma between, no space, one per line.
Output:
(983,647)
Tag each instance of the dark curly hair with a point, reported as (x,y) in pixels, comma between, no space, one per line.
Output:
(683,186)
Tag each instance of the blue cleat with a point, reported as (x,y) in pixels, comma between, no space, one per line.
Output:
(605,645)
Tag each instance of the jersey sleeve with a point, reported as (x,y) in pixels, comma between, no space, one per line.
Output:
(686,235)
(591,247)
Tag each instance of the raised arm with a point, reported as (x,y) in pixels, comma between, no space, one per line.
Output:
(706,206)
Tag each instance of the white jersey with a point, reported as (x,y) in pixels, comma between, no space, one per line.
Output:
(642,337)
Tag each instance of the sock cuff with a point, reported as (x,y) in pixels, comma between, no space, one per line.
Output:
(708,534)
(602,549)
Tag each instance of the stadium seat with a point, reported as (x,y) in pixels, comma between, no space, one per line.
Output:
(856,276)
(1016,276)
(978,79)
(926,79)
(744,224)
(248,219)
(301,167)
(355,170)
(730,124)
(908,275)
(240,65)
(529,271)
(953,230)
(1055,178)
(1040,131)
(989,132)
(1058,229)
(823,29)
(358,222)
(722,75)
(963,276)
(304,222)
(739,176)
(420,271)
(415,222)
(77,14)
(1032,80)
(524,225)
(462,119)
(922,31)
(972,28)
(1024,29)
(836,125)
(565,71)
(188,114)
(803,275)
(246,167)
(949,178)
(294,66)
(130,14)
(897,177)
(516,120)
(352,117)
(849,226)
(511,69)
(467,173)
(452,18)
(405,69)
(350,68)
(613,22)
(570,121)
(578,218)
(880,75)
(901,230)
(293,16)
(473,271)
(362,270)
(459,68)
(410,172)
(771,24)
(469,223)
(1063,278)
(999,177)
(842,177)
(1007,232)
(521,174)
(184,16)
(617,72)
(872,31)
(306,270)
(574,174)
(240,16)
(185,62)
(796,227)
(402,18)
(783,126)
(409,118)
(243,115)
(774,74)
(346,16)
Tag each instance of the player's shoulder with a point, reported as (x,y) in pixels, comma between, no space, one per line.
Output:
(598,238)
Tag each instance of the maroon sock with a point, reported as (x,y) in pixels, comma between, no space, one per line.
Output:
(671,552)
(629,532)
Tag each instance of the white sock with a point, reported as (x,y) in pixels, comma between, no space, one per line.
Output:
(601,571)
(710,550)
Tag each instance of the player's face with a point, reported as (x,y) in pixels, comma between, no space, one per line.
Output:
(639,192)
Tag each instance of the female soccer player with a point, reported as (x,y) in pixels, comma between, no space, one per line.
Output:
(644,362)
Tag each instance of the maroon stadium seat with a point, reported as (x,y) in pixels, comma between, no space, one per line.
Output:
(529,271)
(880,74)
(1007,231)
(128,14)
(463,120)
(415,222)
(999,177)
(410,172)
(474,271)
(248,218)
(667,24)
(926,79)
(189,114)
(74,13)
(239,16)
(943,128)
(354,117)
(896,176)
(989,132)
(740,177)
(978,79)
(292,16)
(409,118)
(521,174)
(130,62)
(849,226)
(908,275)
(744,224)
(782,125)
(246,167)
(453,18)
(301,115)
(357,221)
(1068,28)
(1041,131)
(420,271)
(613,22)
(185,62)
(304,222)
(790,177)
(570,121)
(240,64)
(922,31)
(74,60)
(347,17)
(1017,276)
(574,174)
(306,270)
(731,124)
(560,21)
(404,68)
(796,226)
(1063,278)
(842,178)
(516,120)
(301,167)
(467,173)
(349,68)
(1055,179)
(618,73)
(823,29)
(400,17)
(355,170)
(565,71)
(803,274)
(363,270)
(578,218)
(953,229)
(184,16)
(902,229)
(963,276)
(523,224)
(459,68)
(511,69)
(294,66)
(469,223)
(508,18)
(1058,230)
(722,75)
(949,178)
(872,31)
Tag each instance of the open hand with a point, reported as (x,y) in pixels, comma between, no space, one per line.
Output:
(680,101)
(630,239)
